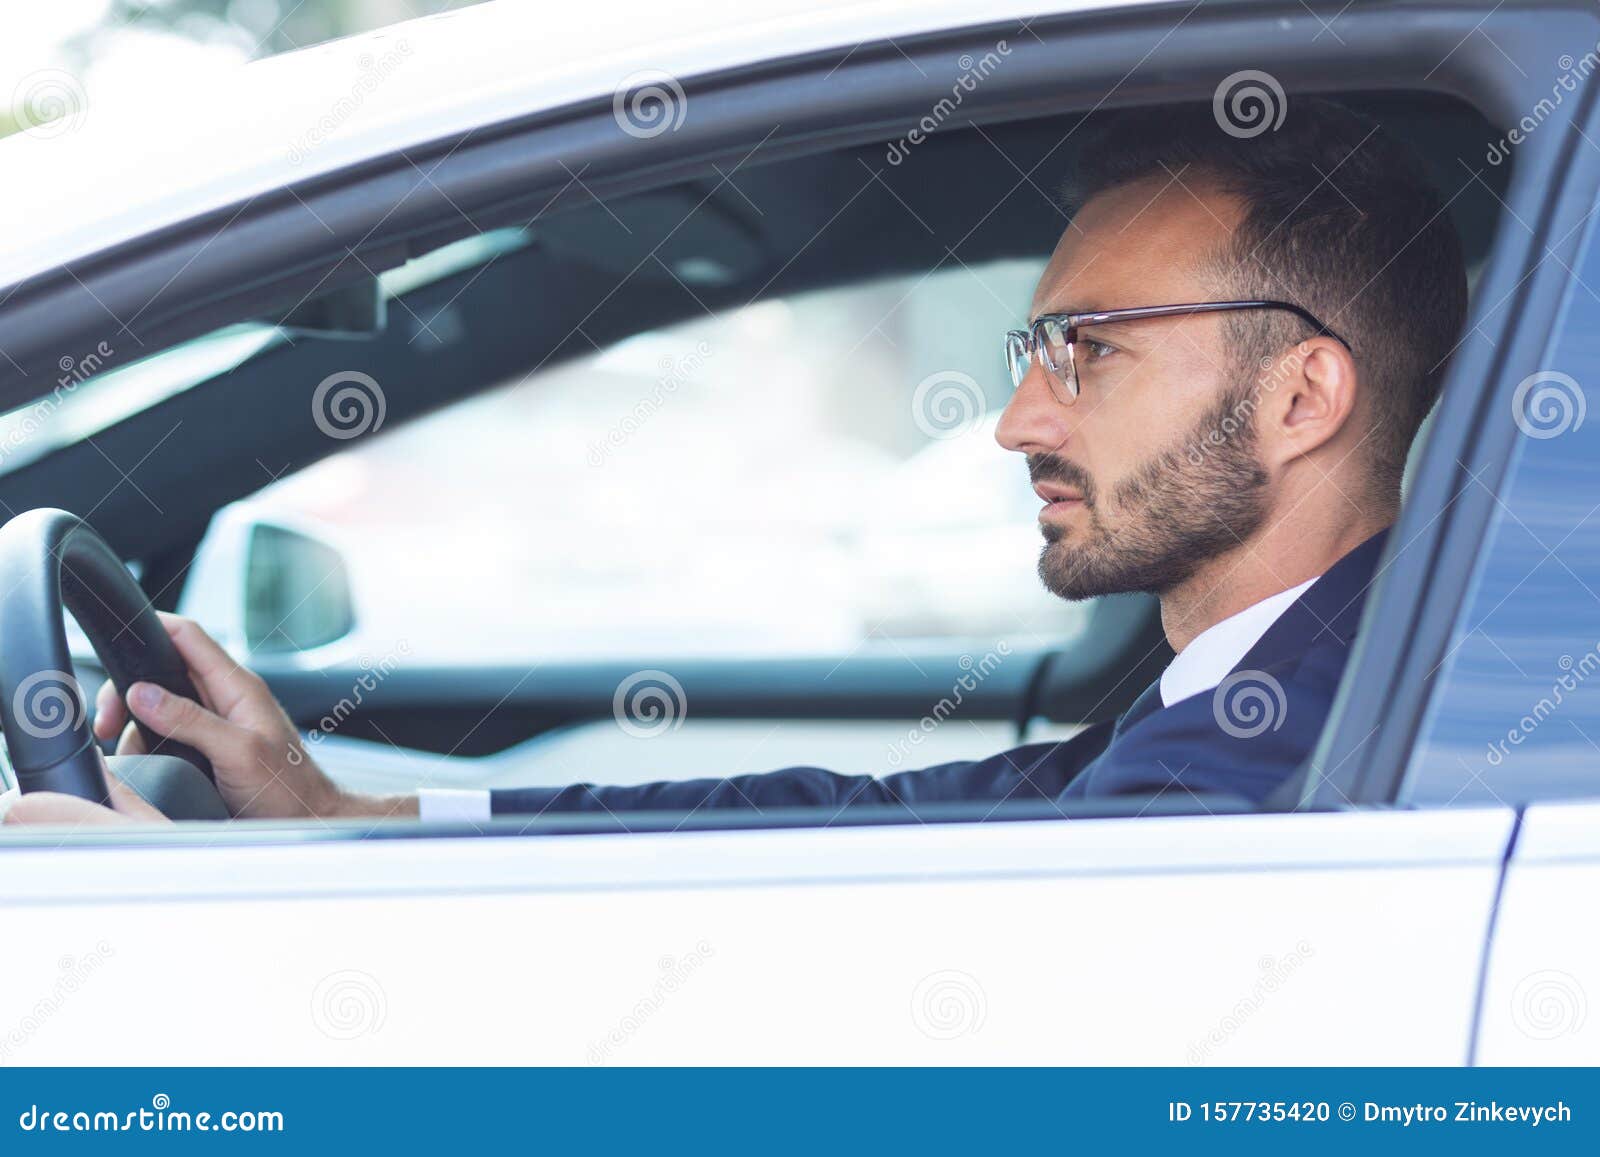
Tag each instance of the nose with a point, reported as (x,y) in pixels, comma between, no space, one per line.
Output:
(1034,422)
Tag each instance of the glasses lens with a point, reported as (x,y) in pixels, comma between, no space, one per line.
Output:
(1018,356)
(1057,351)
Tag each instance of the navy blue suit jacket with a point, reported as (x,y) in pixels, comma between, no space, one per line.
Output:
(1243,739)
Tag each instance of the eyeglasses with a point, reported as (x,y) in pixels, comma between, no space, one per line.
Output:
(1052,336)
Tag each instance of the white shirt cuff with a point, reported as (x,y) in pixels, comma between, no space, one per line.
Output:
(452,805)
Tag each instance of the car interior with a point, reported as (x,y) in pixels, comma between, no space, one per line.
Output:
(477,309)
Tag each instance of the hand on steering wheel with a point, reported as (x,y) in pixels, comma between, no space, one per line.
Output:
(50,560)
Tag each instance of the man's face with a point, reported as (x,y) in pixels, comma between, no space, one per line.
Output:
(1141,486)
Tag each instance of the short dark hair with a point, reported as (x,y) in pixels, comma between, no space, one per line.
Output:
(1339,218)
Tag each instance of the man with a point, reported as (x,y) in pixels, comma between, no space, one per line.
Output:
(1240,460)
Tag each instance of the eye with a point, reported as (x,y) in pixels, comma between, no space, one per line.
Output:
(1095,350)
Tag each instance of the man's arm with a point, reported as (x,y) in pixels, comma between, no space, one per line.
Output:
(1036,771)
(264,771)
(262,768)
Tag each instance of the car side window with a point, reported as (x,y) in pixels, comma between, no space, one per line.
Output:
(1516,713)
(811,475)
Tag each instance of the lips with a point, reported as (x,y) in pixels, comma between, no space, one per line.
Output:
(1053,493)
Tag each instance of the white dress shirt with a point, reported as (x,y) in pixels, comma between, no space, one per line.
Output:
(1200,666)
(1215,651)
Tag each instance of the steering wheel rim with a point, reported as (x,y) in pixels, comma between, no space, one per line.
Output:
(52,560)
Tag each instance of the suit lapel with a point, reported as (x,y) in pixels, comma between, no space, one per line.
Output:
(1331,606)
(1148,703)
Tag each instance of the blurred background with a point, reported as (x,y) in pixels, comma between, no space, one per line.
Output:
(103,51)
(808,475)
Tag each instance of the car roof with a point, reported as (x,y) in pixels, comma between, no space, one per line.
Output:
(101,177)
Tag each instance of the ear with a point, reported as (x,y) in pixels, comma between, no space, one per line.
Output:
(1312,388)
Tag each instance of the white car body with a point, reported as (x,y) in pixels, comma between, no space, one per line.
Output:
(1396,937)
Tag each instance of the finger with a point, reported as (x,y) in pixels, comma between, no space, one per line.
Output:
(130,803)
(49,807)
(110,716)
(221,682)
(132,742)
(186,721)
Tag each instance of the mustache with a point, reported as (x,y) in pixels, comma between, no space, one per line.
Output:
(1054,468)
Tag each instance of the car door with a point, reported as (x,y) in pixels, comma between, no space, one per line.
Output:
(1515,711)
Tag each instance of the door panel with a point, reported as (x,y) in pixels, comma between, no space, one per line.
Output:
(1333,938)
(1544,964)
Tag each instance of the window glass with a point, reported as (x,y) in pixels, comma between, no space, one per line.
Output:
(811,475)
(1516,715)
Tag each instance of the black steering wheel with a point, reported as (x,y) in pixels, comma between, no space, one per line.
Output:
(50,560)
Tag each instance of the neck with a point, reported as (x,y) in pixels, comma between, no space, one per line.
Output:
(1283,554)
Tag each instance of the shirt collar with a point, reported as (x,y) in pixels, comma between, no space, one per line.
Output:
(1217,650)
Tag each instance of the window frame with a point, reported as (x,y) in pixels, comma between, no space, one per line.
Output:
(1431,563)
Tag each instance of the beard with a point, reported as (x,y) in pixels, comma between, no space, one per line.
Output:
(1186,506)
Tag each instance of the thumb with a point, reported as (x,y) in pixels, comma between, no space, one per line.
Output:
(182,719)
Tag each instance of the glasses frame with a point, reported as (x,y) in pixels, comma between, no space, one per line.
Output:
(1033,342)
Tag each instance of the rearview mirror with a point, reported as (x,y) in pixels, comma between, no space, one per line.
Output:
(296,592)
(268,585)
